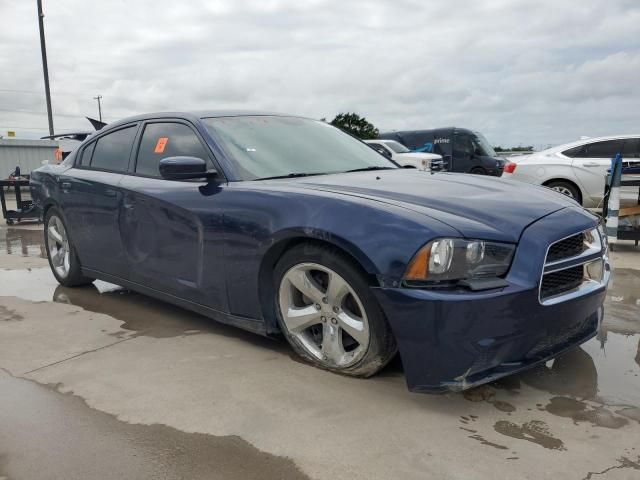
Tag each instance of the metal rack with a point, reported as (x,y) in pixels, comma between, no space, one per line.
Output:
(611,212)
(25,209)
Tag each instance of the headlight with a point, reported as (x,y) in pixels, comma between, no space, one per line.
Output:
(452,259)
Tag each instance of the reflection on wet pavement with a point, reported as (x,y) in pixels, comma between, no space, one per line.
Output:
(26,241)
(604,372)
(142,314)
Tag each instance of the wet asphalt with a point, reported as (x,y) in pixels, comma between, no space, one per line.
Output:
(101,382)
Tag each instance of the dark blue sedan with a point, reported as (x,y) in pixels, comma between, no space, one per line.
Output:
(284,225)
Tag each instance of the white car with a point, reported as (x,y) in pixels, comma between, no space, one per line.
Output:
(576,169)
(402,155)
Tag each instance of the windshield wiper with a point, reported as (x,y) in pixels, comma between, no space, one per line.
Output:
(291,175)
(366,169)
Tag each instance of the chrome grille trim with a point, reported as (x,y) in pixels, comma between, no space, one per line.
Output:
(593,253)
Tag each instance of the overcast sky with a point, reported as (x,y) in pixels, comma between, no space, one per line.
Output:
(523,72)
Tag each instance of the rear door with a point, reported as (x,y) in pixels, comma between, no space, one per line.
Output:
(91,198)
(171,228)
(590,164)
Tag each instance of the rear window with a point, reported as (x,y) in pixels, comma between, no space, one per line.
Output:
(573,152)
(112,150)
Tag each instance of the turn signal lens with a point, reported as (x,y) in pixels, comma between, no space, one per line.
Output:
(510,167)
(419,266)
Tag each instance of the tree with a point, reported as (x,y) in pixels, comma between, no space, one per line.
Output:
(520,148)
(355,125)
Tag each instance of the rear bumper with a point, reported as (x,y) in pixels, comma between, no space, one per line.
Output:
(452,340)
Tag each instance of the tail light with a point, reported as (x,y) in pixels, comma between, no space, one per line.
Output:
(510,167)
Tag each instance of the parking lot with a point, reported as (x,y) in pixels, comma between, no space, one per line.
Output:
(101,382)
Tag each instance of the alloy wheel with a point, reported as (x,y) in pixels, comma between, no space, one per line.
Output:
(564,190)
(323,312)
(58,246)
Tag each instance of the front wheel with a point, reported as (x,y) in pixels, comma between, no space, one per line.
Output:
(61,252)
(328,314)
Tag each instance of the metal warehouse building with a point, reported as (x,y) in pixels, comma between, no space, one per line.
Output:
(28,154)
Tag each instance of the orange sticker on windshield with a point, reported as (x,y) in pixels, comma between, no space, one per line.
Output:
(160,144)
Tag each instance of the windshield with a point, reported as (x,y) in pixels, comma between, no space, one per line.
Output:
(271,146)
(484,145)
(396,147)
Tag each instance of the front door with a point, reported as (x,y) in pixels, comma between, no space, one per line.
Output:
(170,229)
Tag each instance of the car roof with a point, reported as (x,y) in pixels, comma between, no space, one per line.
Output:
(585,141)
(194,115)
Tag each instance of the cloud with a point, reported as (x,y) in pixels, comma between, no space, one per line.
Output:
(531,72)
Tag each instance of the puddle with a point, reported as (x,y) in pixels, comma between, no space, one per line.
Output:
(534,431)
(606,369)
(141,314)
(26,241)
(582,412)
(48,434)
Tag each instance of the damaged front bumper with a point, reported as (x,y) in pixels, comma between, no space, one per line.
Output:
(453,340)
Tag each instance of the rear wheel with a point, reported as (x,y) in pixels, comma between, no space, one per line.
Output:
(328,314)
(565,188)
(478,171)
(61,252)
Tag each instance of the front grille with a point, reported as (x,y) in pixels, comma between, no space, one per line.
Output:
(569,247)
(574,266)
(561,281)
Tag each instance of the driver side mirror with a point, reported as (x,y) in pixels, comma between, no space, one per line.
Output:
(185,168)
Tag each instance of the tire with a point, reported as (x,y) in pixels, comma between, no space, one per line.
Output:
(478,171)
(566,188)
(61,252)
(319,327)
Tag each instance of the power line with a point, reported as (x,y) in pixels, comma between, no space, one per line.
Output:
(18,127)
(34,112)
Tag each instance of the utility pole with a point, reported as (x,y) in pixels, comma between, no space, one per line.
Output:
(99,106)
(45,68)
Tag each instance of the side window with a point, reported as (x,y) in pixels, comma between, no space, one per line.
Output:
(574,152)
(112,151)
(463,146)
(85,156)
(631,148)
(417,141)
(162,140)
(606,149)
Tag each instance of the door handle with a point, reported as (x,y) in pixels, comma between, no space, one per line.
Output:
(591,164)
(66,186)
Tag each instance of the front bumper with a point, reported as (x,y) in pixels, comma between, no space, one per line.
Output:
(452,340)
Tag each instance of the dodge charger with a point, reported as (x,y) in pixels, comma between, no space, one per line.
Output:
(287,226)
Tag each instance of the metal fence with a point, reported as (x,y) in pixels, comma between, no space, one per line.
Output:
(28,154)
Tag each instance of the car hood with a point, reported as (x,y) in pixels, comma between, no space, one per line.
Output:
(477,206)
